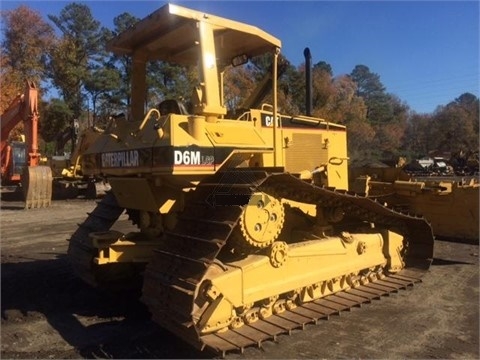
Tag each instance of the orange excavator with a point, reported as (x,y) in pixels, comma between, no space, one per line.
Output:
(20,161)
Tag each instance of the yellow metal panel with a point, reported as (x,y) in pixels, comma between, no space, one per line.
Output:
(229,132)
(134,193)
(167,35)
(305,152)
(308,262)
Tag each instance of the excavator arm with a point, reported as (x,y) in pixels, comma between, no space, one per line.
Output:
(23,108)
(36,180)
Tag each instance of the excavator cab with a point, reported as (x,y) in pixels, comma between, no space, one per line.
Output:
(19,161)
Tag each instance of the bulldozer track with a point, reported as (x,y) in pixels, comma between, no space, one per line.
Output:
(309,313)
(81,251)
(179,265)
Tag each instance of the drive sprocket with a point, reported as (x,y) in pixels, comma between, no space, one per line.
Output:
(261,221)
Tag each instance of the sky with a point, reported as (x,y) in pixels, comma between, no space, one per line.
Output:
(425,52)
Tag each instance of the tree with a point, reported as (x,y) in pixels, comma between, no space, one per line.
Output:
(371,89)
(56,114)
(238,82)
(324,67)
(455,127)
(66,75)
(10,84)
(368,83)
(386,113)
(77,24)
(292,96)
(359,139)
(390,132)
(417,135)
(346,106)
(451,128)
(26,37)
(323,89)
(120,97)
(101,80)
(71,60)
(169,81)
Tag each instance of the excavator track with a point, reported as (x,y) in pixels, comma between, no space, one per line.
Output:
(189,250)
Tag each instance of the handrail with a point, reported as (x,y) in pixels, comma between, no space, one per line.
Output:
(153,110)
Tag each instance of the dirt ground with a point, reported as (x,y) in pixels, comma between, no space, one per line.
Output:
(49,314)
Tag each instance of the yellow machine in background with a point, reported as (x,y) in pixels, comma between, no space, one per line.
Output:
(451,206)
(69,179)
(246,227)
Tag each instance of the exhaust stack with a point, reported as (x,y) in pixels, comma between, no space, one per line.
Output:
(308,81)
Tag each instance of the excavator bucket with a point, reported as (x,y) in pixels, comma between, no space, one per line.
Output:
(37,186)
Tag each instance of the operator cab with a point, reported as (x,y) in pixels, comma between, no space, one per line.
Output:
(172,106)
(191,38)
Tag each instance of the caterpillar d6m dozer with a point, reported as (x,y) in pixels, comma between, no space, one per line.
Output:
(246,226)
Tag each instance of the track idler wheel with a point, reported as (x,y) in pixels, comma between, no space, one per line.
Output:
(260,223)
(278,253)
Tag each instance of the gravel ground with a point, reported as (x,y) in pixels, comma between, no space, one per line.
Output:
(48,313)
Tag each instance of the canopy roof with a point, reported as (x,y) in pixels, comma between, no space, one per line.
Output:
(171,34)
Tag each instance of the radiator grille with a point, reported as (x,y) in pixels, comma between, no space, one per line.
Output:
(305,152)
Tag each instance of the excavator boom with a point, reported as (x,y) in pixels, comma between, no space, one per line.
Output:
(36,180)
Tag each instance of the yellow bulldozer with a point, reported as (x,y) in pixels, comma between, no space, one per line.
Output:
(450,204)
(69,181)
(246,227)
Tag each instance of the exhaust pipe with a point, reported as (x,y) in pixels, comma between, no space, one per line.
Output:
(308,81)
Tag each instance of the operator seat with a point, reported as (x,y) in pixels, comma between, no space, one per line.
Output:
(172,106)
